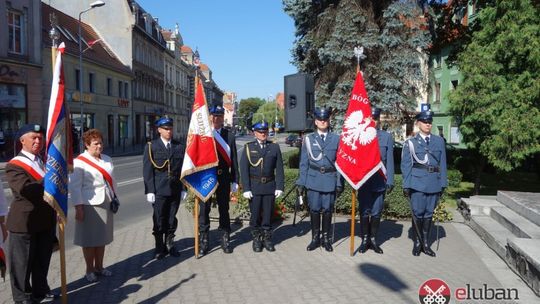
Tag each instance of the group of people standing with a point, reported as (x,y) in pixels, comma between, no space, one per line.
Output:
(31,221)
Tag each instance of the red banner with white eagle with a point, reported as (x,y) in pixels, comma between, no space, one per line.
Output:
(358,156)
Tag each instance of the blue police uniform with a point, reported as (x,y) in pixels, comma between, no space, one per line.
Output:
(371,194)
(423,164)
(319,177)
(261,171)
(227,174)
(161,173)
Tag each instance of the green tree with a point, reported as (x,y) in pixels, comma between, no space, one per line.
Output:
(268,112)
(392,34)
(497,105)
(246,108)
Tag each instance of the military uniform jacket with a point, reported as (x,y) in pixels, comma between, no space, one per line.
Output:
(317,170)
(228,174)
(430,177)
(163,181)
(377,182)
(28,212)
(264,174)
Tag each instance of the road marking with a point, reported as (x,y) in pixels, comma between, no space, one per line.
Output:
(131,181)
(126,164)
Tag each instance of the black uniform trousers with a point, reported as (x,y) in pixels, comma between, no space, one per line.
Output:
(29,257)
(165,209)
(262,209)
(223,192)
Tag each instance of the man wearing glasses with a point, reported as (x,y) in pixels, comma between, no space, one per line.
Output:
(319,178)
(162,164)
(261,171)
(423,165)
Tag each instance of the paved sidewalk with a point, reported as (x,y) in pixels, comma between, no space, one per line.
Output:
(289,275)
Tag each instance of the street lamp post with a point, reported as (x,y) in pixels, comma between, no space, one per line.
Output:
(92,6)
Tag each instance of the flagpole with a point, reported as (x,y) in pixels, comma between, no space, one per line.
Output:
(353,221)
(196,228)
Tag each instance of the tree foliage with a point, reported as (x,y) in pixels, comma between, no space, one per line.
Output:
(268,112)
(497,105)
(393,33)
(247,107)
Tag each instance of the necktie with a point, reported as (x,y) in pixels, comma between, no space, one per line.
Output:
(40,163)
(427,140)
(262,146)
(322,137)
(169,148)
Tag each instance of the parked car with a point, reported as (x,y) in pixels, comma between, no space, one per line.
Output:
(290,139)
(298,142)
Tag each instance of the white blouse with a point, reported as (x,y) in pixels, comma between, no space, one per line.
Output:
(87,185)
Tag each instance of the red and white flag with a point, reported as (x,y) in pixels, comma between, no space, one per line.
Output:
(358,156)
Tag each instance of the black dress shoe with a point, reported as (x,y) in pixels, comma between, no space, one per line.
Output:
(173,252)
(160,255)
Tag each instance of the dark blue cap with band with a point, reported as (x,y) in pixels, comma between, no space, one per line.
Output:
(217,110)
(164,122)
(29,128)
(260,126)
(376,112)
(425,114)
(322,113)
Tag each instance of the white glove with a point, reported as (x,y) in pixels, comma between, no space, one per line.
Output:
(247,195)
(150,197)
(278,193)
(234,187)
(183,195)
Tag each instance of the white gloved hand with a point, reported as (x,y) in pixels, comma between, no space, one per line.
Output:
(278,193)
(150,197)
(183,195)
(247,195)
(234,187)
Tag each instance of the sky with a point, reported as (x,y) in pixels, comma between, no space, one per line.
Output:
(246,43)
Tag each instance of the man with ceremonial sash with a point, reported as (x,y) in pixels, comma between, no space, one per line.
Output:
(162,164)
(31,221)
(371,194)
(227,174)
(261,169)
(318,175)
(423,164)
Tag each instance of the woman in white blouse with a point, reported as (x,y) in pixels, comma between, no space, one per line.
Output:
(91,195)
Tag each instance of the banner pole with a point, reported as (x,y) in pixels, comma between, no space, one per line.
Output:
(61,226)
(196,228)
(353,221)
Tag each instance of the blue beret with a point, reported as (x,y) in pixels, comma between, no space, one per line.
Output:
(29,128)
(260,126)
(376,112)
(425,116)
(217,110)
(164,121)
(322,113)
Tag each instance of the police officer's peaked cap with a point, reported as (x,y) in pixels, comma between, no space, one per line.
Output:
(376,112)
(425,116)
(260,126)
(29,128)
(217,110)
(322,113)
(164,122)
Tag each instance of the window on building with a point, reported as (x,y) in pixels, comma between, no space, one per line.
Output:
(16,32)
(438,92)
(126,90)
(109,86)
(454,84)
(91,83)
(77,79)
(120,89)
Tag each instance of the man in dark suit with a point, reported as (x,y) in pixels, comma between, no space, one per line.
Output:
(319,178)
(371,194)
(162,165)
(31,221)
(261,170)
(227,181)
(423,164)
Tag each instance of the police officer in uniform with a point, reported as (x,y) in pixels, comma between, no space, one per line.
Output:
(261,170)
(227,181)
(371,194)
(318,176)
(423,164)
(162,164)
(31,221)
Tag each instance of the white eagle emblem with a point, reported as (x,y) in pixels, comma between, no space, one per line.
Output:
(356,128)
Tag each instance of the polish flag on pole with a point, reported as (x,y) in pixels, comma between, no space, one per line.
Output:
(358,155)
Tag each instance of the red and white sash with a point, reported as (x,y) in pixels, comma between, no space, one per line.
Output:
(223,148)
(106,176)
(32,167)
